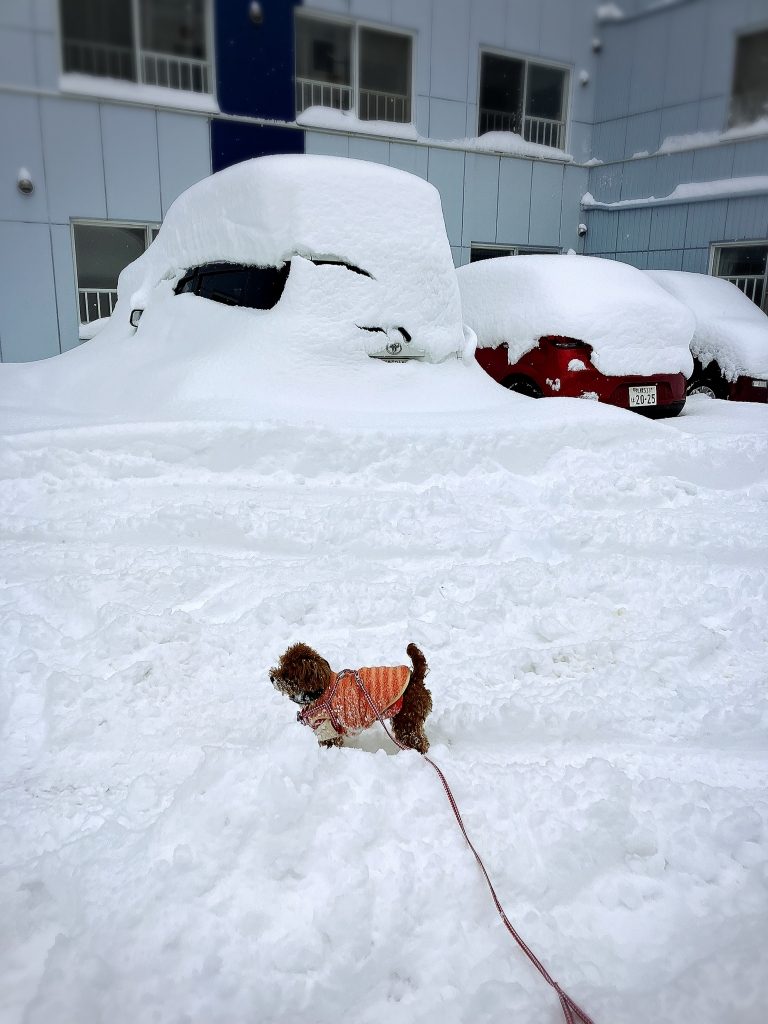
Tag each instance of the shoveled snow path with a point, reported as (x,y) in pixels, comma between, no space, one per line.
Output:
(590,591)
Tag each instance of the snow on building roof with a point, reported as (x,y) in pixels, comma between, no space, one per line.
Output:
(730,328)
(263,212)
(633,325)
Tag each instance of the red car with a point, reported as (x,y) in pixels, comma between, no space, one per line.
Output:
(579,327)
(562,366)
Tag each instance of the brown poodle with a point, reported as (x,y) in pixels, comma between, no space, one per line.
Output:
(341,704)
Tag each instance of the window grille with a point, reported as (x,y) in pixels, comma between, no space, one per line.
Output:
(353,68)
(102,250)
(746,266)
(520,96)
(152,42)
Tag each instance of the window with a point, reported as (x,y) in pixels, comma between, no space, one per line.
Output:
(520,96)
(353,68)
(236,285)
(746,266)
(749,96)
(491,252)
(102,251)
(154,42)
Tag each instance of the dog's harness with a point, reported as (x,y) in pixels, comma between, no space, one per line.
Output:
(355,698)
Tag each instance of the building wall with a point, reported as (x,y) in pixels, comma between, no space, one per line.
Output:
(88,159)
(668,73)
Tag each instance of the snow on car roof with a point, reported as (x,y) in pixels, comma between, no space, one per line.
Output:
(633,325)
(263,212)
(730,328)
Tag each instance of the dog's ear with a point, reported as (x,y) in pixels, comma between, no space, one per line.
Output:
(304,667)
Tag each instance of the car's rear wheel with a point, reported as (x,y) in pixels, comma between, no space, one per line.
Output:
(523,386)
(707,381)
(700,388)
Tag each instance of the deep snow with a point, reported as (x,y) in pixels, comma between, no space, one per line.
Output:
(590,590)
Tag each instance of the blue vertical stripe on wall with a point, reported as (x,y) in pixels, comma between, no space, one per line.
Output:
(234,141)
(255,63)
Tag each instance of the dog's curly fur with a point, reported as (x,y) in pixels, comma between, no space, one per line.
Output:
(303,675)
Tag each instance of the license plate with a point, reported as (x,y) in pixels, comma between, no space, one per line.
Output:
(644,394)
(760,383)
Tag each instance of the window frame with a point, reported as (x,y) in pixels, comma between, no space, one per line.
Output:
(715,248)
(356,25)
(139,91)
(739,34)
(150,230)
(541,62)
(516,250)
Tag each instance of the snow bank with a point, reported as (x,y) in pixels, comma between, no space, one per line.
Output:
(730,328)
(307,358)
(348,121)
(632,325)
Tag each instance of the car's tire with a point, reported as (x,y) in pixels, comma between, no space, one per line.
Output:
(522,385)
(699,387)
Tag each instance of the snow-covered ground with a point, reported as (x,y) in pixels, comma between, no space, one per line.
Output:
(590,590)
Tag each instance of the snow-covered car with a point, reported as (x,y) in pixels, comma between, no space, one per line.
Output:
(355,242)
(579,327)
(730,343)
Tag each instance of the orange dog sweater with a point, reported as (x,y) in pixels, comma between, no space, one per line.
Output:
(342,710)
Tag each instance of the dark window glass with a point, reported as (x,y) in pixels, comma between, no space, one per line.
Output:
(236,285)
(478,253)
(749,100)
(175,27)
(545,92)
(97,38)
(501,94)
(323,51)
(103,251)
(385,76)
(742,261)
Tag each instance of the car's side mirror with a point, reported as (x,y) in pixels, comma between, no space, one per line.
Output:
(135,317)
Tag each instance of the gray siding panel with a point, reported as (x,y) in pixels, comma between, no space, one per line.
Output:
(47,60)
(481,193)
(687,28)
(131,163)
(556,40)
(705,223)
(515,178)
(184,150)
(609,140)
(326,144)
(75,172)
(668,225)
(649,60)
(634,230)
(605,183)
(28,325)
(574,187)
(523,26)
(665,259)
(66,296)
(713,114)
(450,49)
(671,170)
(602,227)
(17,56)
(696,261)
(417,15)
(638,179)
(487,27)
(413,159)
(679,120)
(750,158)
(614,74)
(634,259)
(747,218)
(446,172)
(546,202)
(643,133)
(374,150)
(713,164)
(447,120)
(21,146)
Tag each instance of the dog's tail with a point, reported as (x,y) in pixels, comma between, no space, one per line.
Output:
(419,662)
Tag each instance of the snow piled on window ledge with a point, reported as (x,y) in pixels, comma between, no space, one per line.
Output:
(691,191)
(133,92)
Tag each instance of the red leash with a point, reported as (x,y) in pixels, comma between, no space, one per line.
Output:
(569,1007)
